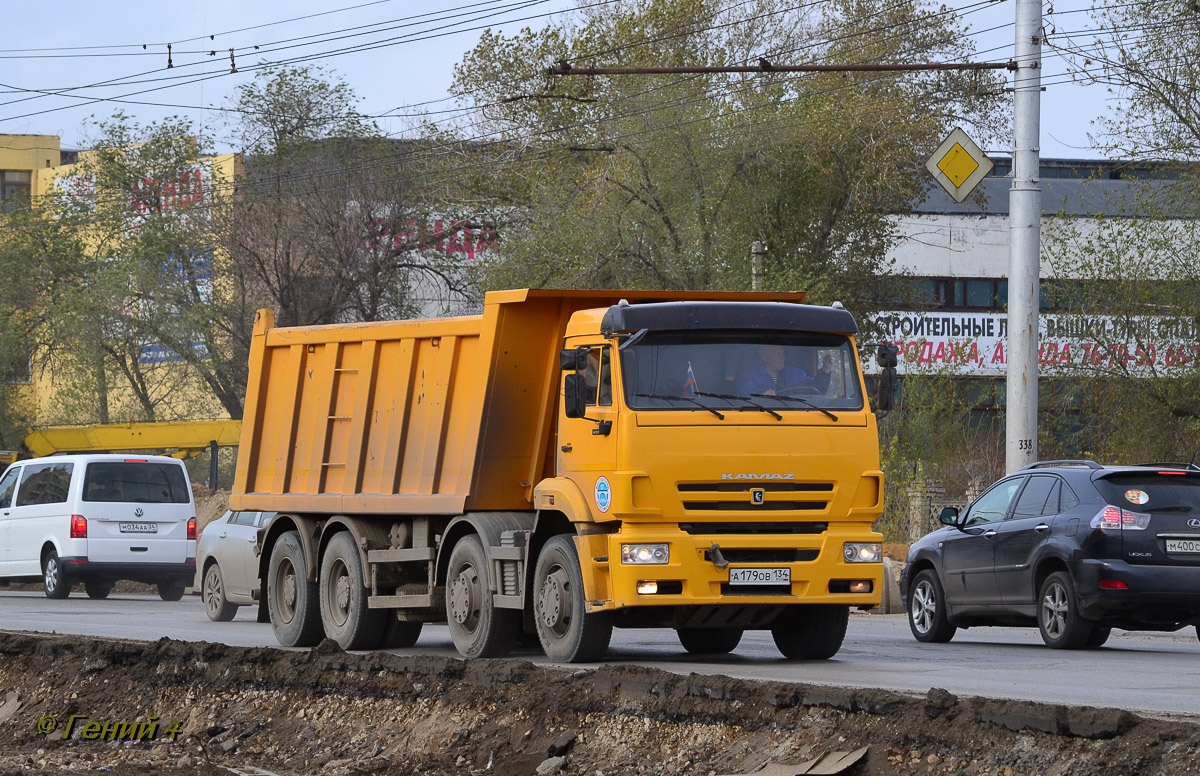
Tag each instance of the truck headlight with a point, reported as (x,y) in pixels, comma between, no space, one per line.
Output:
(645,554)
(862,552)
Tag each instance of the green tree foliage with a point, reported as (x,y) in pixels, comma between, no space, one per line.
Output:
(1136,270)
(326,206)
(664,181)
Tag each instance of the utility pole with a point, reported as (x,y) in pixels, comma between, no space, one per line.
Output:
(1024,253)
(756,254)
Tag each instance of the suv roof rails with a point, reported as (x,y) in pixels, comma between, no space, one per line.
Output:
(1191,467)
(1065,462)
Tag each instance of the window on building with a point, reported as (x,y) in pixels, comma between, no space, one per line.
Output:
(14,185)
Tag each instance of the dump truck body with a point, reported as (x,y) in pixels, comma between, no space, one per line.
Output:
(566,462)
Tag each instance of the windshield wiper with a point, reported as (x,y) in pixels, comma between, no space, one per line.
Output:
(799,399)
(668,397)
(730,397)
(1170,508)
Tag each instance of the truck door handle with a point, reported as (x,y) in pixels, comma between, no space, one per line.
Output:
(223,534)
(1041,528)
(989,534)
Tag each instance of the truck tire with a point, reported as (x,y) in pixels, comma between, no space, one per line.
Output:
(54,582)
(347,618)
(291,598)
(478,628)
(569,634)
(399,634)
(811,631)
(709,641)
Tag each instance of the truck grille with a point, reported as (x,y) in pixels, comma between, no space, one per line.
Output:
(745,487)
(768,555)
(720,496)
(707,529)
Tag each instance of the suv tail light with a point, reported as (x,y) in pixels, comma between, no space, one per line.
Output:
(192,528)
(1112,518)
(78,527)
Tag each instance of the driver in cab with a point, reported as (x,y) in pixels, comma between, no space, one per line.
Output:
(773,376)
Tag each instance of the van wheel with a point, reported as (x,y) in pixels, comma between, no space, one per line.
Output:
(709,641)
(212,590)
(478,628)
(171,591)
(347,618)
(55,583)
(97,589)
(291,598)
(811,631)
(569,634)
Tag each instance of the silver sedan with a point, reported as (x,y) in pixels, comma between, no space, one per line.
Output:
(226,565)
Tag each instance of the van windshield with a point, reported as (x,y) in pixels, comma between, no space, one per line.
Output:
(139,482)
(784,371)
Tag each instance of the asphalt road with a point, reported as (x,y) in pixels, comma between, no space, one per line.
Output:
(1145,672)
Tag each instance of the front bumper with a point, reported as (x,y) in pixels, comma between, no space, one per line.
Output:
(1154,595)
(692,578)
(81,568)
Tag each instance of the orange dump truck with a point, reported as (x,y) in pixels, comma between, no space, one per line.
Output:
(565,463)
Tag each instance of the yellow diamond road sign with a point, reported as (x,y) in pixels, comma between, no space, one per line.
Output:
(959,165)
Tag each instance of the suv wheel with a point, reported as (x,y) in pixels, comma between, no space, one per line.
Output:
(927,615)
(1059,620)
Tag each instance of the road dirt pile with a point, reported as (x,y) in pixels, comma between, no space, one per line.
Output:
(202,708)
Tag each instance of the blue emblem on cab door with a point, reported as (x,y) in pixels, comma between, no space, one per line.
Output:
(603,494)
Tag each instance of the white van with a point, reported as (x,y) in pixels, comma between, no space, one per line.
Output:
(97,519)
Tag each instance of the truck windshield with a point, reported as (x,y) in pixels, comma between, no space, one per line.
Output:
(783,371)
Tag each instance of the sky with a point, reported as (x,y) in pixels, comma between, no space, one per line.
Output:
(401,60)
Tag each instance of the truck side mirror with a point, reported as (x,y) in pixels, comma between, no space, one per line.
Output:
(948,516)
(572,359)
(575,395)
(885,388)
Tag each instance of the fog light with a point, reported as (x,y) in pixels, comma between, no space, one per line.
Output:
(1113,584)
(862,552)
(860,586)
(646,554)
(647,588)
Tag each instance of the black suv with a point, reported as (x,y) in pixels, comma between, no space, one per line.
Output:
(1071,546)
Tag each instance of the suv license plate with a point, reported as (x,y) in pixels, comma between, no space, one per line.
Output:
(781,576)
(139,527)
(1183,545)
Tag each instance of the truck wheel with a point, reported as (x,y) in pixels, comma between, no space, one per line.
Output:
(399,634)
(812,631)
(54,582)
(291,598)
(97,589)
(709,641)
(569,634)
(478,628)
(347,618)
(212,591)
